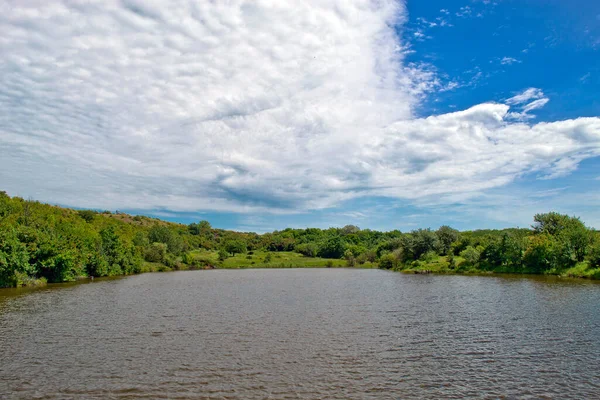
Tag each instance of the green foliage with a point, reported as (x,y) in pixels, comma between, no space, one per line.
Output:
(40,242)
(451,261)
(223,254)
(162,234)
(388,261)
(540,253)
(156,253)
(595,256)
(235,246)
(140,239)
(471,255)
(446,237)
(13,258)
(200,228)
(349,229)
(87,215)
(308,249)
(332,248)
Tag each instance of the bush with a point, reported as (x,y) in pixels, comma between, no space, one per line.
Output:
(156,252)
(307,249)
(595,256)
(451,260)
(268,258)
(471,255)
(235,246)
(87,215)
(388,261)
(223,255)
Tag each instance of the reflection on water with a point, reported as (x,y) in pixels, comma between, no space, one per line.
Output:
(302,334)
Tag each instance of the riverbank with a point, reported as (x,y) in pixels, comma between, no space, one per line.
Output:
(441,265)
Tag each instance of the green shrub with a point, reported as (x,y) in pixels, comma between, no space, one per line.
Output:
(268,258)
(471,255)
(156,252)
(223,255)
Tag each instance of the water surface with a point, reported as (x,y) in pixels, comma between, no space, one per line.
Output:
(302,334)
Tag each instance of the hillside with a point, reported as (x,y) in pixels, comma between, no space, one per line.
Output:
(44,243)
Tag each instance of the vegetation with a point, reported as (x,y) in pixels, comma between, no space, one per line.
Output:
(41,243)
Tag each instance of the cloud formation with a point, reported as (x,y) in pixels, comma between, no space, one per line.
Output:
(246,106)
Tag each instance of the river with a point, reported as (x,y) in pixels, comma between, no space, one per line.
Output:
(302,334)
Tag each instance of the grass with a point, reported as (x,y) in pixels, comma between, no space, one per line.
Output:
(582,270)
(284,259)
(440,265)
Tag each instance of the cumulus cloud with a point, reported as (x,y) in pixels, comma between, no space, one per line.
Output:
(246,106)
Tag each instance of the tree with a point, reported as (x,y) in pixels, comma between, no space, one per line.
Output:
(162,234)
(595,256)
(550,223)
(332,248)
(235,246)
(388,261)
(350,259)
(451,261)
(156,252)
(14,258)
(423,241)
(308,249)
(199,228)
(87,215)
(471,255)
(349,229)
(140,239)
(446,237)
(223,254)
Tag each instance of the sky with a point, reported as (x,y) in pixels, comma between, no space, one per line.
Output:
(260,115)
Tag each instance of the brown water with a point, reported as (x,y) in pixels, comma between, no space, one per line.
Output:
(302,334)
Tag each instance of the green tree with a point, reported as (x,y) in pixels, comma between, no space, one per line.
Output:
(14,258)
(223,254)
(332,248)
(235,246)
(471,255)
(162,234)
(388,261)
(423,241)
(308,249)
(446,237)
(156,252)
(87,215)
(594,256)
(349,229)
(540,253)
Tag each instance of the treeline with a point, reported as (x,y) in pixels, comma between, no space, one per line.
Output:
(39,243)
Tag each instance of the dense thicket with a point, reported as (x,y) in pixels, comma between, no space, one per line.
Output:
(43,242)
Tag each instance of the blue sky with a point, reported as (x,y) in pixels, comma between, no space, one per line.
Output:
(264,115)
(554,45)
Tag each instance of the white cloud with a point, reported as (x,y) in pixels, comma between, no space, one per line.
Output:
(464,12)
(525,96)
(246,106)
(585,77)
(509,61)
(534,99)
(534,105)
